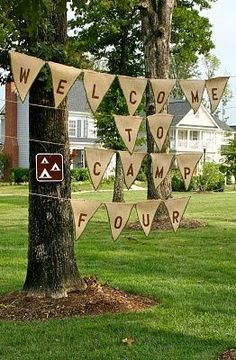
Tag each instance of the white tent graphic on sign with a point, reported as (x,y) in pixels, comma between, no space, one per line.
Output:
(44,161)
(45,175)
(55,168)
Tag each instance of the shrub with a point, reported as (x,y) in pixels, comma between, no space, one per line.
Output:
(5,163)
(177,182)
(211,179)
(19,175)
(80,174)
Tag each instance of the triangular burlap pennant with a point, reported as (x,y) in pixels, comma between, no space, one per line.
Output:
(187,164)
(131,164)
(161,90)
(133,89)
(25,70)
(118,214)
(215,88)
(146,211)
(63,78)
(161,163)
(128,127)
(97,162)
(159,125)
(83,211)
(193,90)
(176,209)
(96,85)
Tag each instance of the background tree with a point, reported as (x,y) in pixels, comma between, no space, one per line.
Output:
(118,40)
(229,166)
(211,65)
(41,30)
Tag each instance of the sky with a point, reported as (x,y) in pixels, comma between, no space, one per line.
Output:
(222,16)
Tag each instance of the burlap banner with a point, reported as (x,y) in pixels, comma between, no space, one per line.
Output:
(146,211)
(83,211)
(96,86)
(176,209)
(161,164)
(128,127)
(97,161)
(133,89)
(131,164)
(215,88)
(63,78)
(187,164)
(193,90)
(161,90)
(159,125)
(118,214)
(24,70)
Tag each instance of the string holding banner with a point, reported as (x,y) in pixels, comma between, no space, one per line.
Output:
(25,69)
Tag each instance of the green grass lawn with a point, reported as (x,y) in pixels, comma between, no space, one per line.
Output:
(191,273)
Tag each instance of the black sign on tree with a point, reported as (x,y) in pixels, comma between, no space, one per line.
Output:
(49,167)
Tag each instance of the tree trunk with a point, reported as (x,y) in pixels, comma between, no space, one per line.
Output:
(118,193)
(156,30)
(52,268)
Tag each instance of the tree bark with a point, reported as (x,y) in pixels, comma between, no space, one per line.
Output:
(52,269)
(118,193)
(156,29)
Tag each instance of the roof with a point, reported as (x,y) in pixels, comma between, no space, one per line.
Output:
(77,100)
(222,124)
(180,108)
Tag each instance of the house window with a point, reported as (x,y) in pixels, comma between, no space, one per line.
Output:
(72,128)
(194,135)
(182,134)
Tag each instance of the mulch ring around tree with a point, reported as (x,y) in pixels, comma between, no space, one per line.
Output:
(164,224)
(96,299)
(228,355)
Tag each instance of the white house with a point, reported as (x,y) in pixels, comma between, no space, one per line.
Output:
(199,132)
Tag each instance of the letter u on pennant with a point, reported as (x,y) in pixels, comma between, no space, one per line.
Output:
(146,211)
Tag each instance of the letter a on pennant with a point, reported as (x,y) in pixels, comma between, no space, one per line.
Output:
(176,209)
(133,89)
(159,125)
(187,164)
(118,214)
(131,164)
(83,211)
(24,69)
(215,88)
(161,163)
(97,162)
(193,90)
(96,86)
(146,211)
(128,127)
(161,90)
(63,78)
